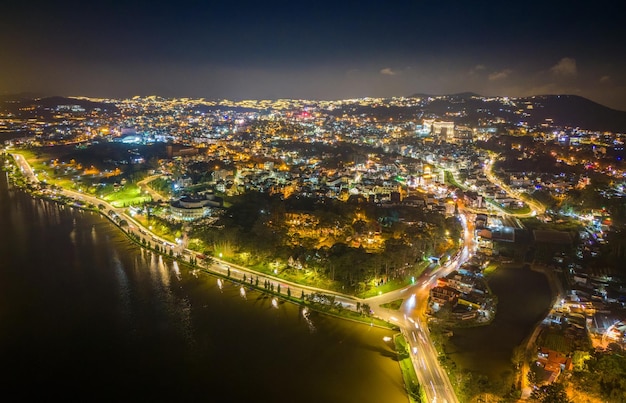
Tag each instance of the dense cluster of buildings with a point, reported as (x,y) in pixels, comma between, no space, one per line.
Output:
(394,151)
(465,292)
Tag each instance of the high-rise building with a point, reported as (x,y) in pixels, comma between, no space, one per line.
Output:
(444,130)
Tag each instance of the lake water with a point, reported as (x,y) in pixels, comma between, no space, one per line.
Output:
(524,298)
(86,315)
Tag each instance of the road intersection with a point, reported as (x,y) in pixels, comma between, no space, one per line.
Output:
(411,318)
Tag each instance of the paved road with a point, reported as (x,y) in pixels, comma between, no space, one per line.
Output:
(535,208)
(411,318)
(143,185)
(25,168)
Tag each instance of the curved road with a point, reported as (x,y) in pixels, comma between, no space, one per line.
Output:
(411,320)
(535,207)
(143,185)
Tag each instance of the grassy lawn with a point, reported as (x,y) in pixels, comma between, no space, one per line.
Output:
(40,163)
(559,225)
(34,160)
(304,277)
(555,340)
(522,210)
(449,178)
(411,384)
(156,227)
(127,195)
(350,315)
(390,285)
(490,269)
(395,305)
(63,175)
(394,284)
(44,172)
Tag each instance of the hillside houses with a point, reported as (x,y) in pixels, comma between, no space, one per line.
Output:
(464,292)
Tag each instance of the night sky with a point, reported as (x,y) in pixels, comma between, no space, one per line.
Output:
(313,50)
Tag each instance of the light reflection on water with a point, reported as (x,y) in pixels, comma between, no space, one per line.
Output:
(83,309)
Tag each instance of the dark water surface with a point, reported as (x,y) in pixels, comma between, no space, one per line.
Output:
(524,298)
(86,315)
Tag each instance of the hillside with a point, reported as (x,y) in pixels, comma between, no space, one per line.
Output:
(463,108)
(576,111)
(563,110)
(45,107)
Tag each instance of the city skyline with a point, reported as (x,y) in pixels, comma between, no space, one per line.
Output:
(312,51)
(491,220)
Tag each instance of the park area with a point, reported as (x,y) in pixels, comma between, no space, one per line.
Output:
(91,171)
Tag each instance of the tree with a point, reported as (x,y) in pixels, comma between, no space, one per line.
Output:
(531,376)
(518,356)
(551,393)
(605,376)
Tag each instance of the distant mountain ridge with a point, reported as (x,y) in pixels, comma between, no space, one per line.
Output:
(22,96)
(562,110)
(463,108)
(466,94)
(577,111)
(19,104)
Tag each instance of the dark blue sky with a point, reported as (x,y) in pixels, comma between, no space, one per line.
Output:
(321,49)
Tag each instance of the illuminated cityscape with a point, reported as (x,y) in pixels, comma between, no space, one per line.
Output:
(421,203)
(294,221)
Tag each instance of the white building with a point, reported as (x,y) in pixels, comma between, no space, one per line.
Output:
(437,127)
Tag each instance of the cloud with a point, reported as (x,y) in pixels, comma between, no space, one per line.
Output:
(565,67)
(476,70)
(605,79)
(499,75)
(387,71)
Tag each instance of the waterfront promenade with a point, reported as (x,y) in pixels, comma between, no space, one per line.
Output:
(431,375)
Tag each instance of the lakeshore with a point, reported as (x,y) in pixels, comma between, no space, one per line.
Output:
(346,310)
(487,350)
(104,312)
(323,300)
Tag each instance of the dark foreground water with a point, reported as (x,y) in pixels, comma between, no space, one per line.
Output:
(87,316)
(524,298)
